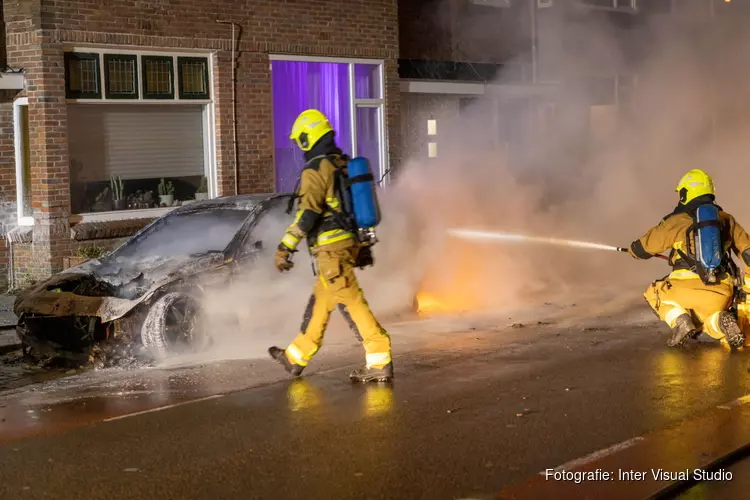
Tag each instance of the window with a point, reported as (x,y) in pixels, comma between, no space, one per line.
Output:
(630,6)
(87,73)
(82,76)
(431,127)
(193,77)
(124,137)
(138,144)
(23,162)
(349,93)
(158,77)
(121,76)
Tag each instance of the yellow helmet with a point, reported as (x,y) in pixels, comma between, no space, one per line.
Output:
(309,127)
(694,184)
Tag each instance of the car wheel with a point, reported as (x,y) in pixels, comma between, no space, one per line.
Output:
(174,325)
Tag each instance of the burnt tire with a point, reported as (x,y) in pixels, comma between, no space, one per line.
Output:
(173,326)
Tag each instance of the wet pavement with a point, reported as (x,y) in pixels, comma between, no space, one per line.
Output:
(475,408)
(727,489)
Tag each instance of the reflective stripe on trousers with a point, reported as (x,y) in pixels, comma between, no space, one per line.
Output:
(671,316)
(377,359)
(296,356)
(687,274)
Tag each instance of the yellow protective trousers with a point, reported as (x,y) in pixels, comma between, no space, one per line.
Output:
(683,292)
(337,285)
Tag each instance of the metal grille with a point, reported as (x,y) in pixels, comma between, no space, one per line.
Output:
(83,76)
(121,76)
(193,77)
(158,77)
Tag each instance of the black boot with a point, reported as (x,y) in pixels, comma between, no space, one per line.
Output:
(683,329)
(364,375)
(280,355)
(729,327)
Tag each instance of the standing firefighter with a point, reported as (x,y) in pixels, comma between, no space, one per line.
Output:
(334,242)
(698,292)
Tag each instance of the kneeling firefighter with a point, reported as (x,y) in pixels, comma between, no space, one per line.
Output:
(697,295)
(337,210)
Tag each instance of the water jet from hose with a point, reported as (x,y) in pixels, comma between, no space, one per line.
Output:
(477,235)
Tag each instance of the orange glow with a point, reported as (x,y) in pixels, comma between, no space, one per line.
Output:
(453,283)
(436,303)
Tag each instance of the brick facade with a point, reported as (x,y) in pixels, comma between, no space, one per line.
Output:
(457,30)
(37,31)
(25,272)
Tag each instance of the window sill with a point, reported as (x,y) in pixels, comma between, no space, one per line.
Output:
(120,215)
(26,221)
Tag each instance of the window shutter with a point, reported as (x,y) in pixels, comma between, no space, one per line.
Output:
(135,141)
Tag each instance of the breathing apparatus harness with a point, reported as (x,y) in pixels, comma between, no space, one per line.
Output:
(705,253)
(346,217)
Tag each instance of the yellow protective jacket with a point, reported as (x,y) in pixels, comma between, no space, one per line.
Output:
(319,215)
(672,232)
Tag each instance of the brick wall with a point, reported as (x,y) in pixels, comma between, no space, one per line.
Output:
(26,272)
(456,30)
(38,29)
(3,54)
(425,30)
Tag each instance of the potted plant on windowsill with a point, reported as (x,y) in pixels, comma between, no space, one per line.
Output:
(166,193)
(202,192)
(118,189)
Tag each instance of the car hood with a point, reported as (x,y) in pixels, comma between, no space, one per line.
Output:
(109,288)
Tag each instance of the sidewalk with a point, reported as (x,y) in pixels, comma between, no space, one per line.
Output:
(8,339)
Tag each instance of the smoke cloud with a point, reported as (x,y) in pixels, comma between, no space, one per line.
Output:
(607,178)
(599,173)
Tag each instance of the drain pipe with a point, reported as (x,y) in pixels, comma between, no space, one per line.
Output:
(12,268)
(234,105)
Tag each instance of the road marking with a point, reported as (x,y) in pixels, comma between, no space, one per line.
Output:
(737,402)
(596,455)
(152,410)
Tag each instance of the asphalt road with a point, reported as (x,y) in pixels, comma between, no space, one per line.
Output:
(471,411)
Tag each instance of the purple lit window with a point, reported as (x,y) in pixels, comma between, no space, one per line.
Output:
(367,81)
(368,137)
(300,85)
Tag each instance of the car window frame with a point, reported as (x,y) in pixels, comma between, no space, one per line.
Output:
(236,246)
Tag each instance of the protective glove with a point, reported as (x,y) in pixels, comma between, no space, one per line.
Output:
(283,258)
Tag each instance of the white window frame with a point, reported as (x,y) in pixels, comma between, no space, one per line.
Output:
(209,113)
(354,103)
(625,6)
(19,149)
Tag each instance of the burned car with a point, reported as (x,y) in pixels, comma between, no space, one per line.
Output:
(145,297)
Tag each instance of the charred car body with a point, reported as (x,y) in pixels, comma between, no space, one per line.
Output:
(144,298)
